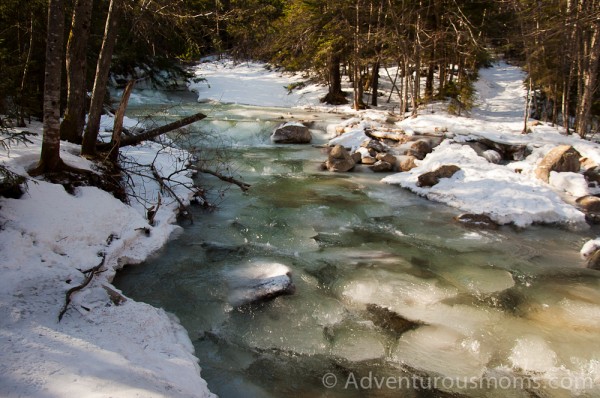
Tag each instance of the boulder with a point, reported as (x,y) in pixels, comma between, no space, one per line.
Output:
(492,156)
(368,160)
(406,163)
(590,206)
(433,177)
(592,174)
(382,167)
(291,133)
(419,149)
(339,160)
(357,157)
(476,221)
(560,159)
(589,203)
(386,157)
(374,145)
(593,261)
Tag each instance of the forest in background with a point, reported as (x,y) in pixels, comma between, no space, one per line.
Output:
(438,44)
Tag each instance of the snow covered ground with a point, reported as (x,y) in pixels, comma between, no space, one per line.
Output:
(134,350)
(99,349)
(499,191)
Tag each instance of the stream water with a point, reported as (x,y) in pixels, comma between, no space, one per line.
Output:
(506,313)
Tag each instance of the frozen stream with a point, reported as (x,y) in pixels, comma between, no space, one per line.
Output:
(506,308)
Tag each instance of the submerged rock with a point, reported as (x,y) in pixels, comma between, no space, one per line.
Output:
(433,177)
(560,159)
(390,321)
(477,221)
(291,133)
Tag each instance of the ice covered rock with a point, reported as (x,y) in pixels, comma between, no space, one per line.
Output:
(560,159)
(433,177)
(259,281)
(477,220)
(291,133)
(339,160)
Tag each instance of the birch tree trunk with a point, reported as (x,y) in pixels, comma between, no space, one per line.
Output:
(71,129)
(90,137)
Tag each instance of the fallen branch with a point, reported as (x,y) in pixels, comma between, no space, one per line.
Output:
(90,275)
(243,186)
(148,135)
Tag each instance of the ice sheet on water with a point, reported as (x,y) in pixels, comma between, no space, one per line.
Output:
(358,343)
(443,351)
(478,280)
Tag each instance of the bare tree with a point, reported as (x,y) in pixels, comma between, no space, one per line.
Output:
(88,147)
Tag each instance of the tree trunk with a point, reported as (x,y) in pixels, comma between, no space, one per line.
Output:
(375,83)
(148,135)
(50,157)
(90,137)
(335,95)
(71,128)
(21,99)
(118,126)
(590,77)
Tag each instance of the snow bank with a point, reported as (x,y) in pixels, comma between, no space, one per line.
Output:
(99,348)
(252,83)
(485,188)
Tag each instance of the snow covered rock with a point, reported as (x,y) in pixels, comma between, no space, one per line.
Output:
(291,133)
(339,160)
(431,178)
(572,183)
(560,159)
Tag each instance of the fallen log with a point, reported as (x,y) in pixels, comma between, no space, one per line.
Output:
(148,135)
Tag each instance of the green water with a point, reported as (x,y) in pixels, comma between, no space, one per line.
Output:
(488,306)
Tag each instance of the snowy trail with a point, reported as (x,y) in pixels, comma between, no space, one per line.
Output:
(507,193)
(501,95)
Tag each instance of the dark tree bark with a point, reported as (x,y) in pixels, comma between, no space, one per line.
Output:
(590,77)
(335,95)
(50,160)
(375,83)
(90,137)
(71,129)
